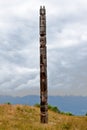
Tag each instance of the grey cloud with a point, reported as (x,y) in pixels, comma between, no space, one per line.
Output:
(66,44)
(68,70)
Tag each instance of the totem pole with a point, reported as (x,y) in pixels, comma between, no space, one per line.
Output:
(43,68)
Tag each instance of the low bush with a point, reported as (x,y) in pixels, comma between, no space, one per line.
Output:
(50,107)
(56,109)
(8,103)
(53,108)
(86,114)
(67,113)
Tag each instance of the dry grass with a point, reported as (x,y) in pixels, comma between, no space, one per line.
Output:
(23,117)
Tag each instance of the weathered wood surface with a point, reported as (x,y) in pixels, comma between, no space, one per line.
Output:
(43,68)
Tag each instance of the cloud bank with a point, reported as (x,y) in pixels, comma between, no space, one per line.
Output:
(66,45)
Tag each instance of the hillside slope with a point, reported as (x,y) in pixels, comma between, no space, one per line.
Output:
(23,117)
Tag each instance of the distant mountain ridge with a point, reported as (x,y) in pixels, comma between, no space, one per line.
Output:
(74,104)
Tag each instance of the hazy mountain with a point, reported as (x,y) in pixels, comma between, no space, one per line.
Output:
(74,104)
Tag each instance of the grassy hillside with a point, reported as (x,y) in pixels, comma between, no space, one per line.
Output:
(23,117)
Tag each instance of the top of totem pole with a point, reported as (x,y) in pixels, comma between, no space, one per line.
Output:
(42,10)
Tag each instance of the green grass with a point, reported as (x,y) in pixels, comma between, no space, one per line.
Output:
(23,117)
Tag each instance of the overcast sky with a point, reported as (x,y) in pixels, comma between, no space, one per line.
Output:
(66,47)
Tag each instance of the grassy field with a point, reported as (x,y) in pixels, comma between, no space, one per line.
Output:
(23,117)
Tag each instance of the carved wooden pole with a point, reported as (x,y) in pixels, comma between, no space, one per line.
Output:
(43,68)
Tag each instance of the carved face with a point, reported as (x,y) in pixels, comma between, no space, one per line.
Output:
(42,11)
(42,41)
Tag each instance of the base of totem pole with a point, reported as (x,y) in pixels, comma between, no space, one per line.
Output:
(44,118)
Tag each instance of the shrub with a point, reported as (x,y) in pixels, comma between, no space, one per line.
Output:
(67,113)
(86,114)
(8,103)
(53,108)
